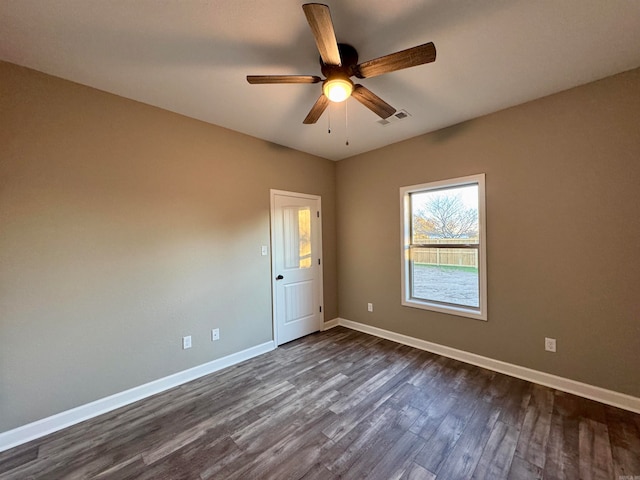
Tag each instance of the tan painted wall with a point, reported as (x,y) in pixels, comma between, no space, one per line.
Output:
(123,228)
(563,218)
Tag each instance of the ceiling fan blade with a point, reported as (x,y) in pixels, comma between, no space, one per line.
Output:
(397,61)
(319,18)
(256,79)
(314,114)
(372,101)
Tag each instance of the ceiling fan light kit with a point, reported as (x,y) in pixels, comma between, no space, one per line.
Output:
(339,62)
(337,89)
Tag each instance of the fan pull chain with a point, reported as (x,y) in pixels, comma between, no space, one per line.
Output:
(329,130)
(346,123)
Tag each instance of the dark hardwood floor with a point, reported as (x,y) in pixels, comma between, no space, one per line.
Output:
(342,404)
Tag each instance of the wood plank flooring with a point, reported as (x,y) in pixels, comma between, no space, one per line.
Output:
(343,404)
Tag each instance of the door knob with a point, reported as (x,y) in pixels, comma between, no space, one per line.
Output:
(279,277)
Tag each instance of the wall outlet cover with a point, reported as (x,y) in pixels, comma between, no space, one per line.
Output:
(550,344)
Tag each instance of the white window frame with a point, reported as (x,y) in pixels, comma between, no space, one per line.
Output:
(479,313)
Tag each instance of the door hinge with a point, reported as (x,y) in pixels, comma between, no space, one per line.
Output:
(318,261)
(318,213)
(320,308)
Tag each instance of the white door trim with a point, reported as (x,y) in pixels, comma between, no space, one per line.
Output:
(320,287)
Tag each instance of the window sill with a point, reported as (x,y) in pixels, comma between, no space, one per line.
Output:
(450,310)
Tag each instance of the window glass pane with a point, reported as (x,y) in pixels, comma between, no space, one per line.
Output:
(446,275)
(443,248)
(445,216)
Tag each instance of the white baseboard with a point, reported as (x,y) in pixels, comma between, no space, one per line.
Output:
(609,397)
(40,428)
(330,324)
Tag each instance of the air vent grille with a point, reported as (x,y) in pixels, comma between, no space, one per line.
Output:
(395,118)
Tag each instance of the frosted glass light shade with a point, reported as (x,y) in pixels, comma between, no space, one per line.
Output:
(338,89)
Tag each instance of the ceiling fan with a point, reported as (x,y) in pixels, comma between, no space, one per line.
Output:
(339,62)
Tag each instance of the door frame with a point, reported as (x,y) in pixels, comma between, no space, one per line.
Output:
(317,238)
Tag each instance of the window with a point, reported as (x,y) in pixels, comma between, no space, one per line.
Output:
(443,247)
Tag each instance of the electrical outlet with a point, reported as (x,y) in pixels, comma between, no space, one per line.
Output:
(369,307)
(215,334)
(186,342)
(550,344)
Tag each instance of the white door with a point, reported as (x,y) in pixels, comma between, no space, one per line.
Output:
(297,265)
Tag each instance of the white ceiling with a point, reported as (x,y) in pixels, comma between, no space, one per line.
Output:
(192,56)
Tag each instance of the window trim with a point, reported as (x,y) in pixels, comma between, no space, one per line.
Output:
(405,226)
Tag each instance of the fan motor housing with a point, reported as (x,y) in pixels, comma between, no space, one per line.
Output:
(349,57)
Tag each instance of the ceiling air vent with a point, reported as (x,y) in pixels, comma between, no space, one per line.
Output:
(395,118)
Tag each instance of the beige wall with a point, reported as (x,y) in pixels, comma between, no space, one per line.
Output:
(123,228)
(563,229)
